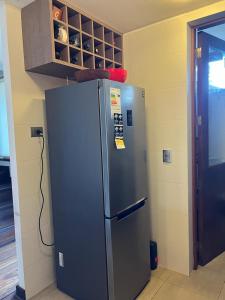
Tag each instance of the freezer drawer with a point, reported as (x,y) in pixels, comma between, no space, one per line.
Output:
(128,264)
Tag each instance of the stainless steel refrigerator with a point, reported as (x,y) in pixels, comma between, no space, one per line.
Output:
(97,152)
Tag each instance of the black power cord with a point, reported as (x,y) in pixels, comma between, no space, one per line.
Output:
(42,194)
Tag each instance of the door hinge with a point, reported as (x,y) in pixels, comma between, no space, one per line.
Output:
(61,260)
(198,52)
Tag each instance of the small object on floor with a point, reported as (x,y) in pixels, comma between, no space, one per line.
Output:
(91,74)
(153,255)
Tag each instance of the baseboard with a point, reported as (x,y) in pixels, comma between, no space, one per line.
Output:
(20,293)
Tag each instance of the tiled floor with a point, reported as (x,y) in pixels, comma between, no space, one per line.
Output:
(207,283)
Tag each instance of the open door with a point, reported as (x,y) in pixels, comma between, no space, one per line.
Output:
(210,147)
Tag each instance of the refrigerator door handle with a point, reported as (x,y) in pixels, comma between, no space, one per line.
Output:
(131,209)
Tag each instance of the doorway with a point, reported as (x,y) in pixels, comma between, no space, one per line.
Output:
(209,143)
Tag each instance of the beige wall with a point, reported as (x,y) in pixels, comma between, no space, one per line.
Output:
(157,58)
(28,107)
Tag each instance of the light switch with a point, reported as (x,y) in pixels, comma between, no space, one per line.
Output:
(167,156)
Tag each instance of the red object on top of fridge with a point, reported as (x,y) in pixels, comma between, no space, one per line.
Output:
(92,74)
(117,74)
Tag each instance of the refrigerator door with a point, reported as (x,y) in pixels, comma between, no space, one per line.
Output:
(128,253)
(124,170)
(77,191)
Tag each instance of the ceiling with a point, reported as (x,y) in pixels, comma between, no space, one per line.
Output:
(127,15)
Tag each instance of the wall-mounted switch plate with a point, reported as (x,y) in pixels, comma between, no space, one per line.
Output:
(36,131)
(167,156)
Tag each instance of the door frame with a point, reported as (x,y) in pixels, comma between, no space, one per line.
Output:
(11,132)
(193,26)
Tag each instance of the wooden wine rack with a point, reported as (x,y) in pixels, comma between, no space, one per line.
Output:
(41,46)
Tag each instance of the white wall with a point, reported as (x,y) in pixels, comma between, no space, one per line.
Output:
(157,58)
(4,138)
(28,110)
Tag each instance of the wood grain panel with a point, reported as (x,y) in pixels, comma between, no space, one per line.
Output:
(8,270)
(37,40)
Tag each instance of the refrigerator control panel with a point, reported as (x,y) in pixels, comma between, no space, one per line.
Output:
(118,131)
(118,119)
(118,125)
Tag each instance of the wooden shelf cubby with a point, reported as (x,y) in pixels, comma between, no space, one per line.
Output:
(63,8)
(109,64)
(108,36)
(88,60)
(99,48)
(87,43)
(118,56)
(73,18)
(74,37)
(117,66)
(99,63)
(98,31)
(75,56)
(117,40)
(108,52)
(87,25)
(58,44)
(61,51)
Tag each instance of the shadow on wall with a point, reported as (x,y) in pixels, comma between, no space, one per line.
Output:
(46,82)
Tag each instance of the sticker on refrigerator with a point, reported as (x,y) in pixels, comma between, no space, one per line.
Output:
(120,144)
(115,101)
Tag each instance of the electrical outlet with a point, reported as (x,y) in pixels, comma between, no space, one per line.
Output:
(167,156)
(36,131)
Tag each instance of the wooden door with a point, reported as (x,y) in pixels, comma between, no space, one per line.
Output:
(210,147)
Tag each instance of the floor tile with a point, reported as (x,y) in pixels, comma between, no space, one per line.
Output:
(217,265)
(172,292)
(222,294)
(162,274)
(205,282)
(176,279)
(151,289)
(51,293)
